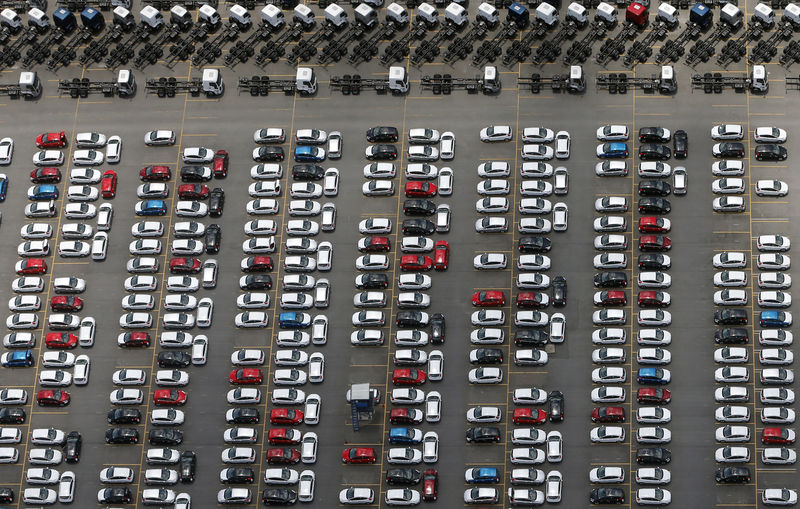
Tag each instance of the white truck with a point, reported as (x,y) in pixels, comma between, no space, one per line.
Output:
(304,16)
(397,14)
(151,17)
(180,17)
(427,14)
(209,15)
(607,13)
(488,14)
(731,15)
(335,15)
(240,16)
(272,16)
(212,83)
(577,13)
(456,14)
(38,19)
(305,81)
(11,20)
(547,14)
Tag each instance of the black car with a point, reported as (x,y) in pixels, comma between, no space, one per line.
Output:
(165,437)
(730,336)
(559,291)
(556,401)
(654,205)
(213,238)
(279,496)
(216,202)
(124,416)
(258,282)
(438,326)
(122,436)
(653,261)
(418,207)
(771,153)
(269,153)
(607,496)
(6,496)
(654,152)
(307,172)
(534,244)
(680,144)
(729,149)
(174,360)
(610,280)
(730,317)
(653,135)
(195,174)
(12,416)
(731,475)
(654,188)
(188,466)
(531,337)
(382,134)
(373,282)
(381,153)
(245,415)
(487,356)
(238,475)
(418,227)
(403,476)
(115,496)
(410,319)
(483,434)
(653,456)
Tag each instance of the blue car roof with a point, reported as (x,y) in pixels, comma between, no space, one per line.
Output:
(154,203)
(770,315)
(303,150)
(487,472)
(289,315)
(47,188)
(399,432)
(21,354)
(617,145)
(647,372)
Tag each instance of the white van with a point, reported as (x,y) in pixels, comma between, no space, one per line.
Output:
(8,455)
(305,489)
(554,446)
(205,310)
(80,375)
(199,350)
(553,487)
(87,332)
(99,246)
(319,330)
(66,487)
(210,273)
(322,293)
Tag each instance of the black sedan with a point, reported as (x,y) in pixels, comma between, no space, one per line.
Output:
(268,153)
(680,146)
(483,434)
(122,436)
(654,152)
(165,437)
(307,172)
(654,205)
(534,244)
(771,153)
(381,152)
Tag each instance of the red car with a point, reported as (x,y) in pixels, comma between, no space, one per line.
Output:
(359,455)
(653,299)
(647,395)
(782,436)
(284,436)
(408,376)
(529,416)
(193,191)
(285,416)
(420,189)
(404,416)
(246,376)
(185,265)
(66,303)
(489,298)
(52,398)
(52,140)
(60,340)
(416,262)
(654,243)
(108,185)
(612,298)
(283,456)
(532,300)
(441,255)
(608,414)
(155,173)
(48,175)
(257,264)
(31,266)
(134,339)
(375,245)
(220,164)
(653,224)
(169,397)
(430,485)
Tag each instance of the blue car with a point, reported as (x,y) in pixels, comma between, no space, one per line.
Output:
(609,150)
(775,319)
(653,376)
(3,186)
(482,475)
(42,192)
(405,436)
(309,154)
(294,320)
(151,208)
(18,359)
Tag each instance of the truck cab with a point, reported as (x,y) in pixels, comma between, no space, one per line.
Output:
(336,16)
(606,13)
(519,15)
(306,81)
(124,18)
(398,80)
(272,16)
(11,20)
(209,15)
(304,16)
(488,14)
(547,14)
(365,15)
(791,14)
(29,85)
(577,13)
(456,14)
(212,83)
(38,19)
(427,14)
(759,81)
(64,19)
(396,14)
(667,84)
(180,17)
(731,15)
(150,17)
(668,14)
(764,15)
(577,81)
(240,16)
(491,80)
(126,83)
(701,15)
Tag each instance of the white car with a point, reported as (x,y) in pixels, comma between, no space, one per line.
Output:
(356,496)
(607,475)
(654,169)
(732,454)
(496,133)
(32,231)
(90,140)
(607,434)
(262,206)
(305,190)
(774,299)
(772,188)
(611,204)
(776,356)
(775,337)
(527,456)
(537,135)
(609,394)
(730,278)
(610,224)
(378,188)
(485,375)
(730,260)
(531,225)
(769,135)
(152,190)
(191,208)
(535,188)
(727,132)
(159,137)
(264,189)
(495,224)
(536,152)
(731,434)
(613,133)
(778,456)
(251,319)
(421,171)
(48,158)
(728,185)
(611,168)
(81,211)
(653,435)
(493,187)
(403,456)
(382,170)
(375,226)
(730,297)
(414,281)
(243,396)
(653,496)
(609,317)
(447,146)
(484,414)
(372,262)
(729,204)
(773,496)
(654,280)
(609,375)
(113,149)
(777,396)
(6,151)
(562,145)
(87,157)
(116,475)
(25,303)
(28,285)
(31,248)
(731,355)
(20,321)
(729,167)
(422,153)
(197,155)
(773,243)
(144,229)
(653,415)
(490,261)
(485,317)
(773,261)
(732,374)
(655,475)
(528,436)
(85,176)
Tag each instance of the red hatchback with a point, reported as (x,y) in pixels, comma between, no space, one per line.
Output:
(416,262)
(653,224)
(532,300)
(284,436)
(52,140)
(170,397)
(489,298)
(185,265)
(782,436)
(257,264)
(220,164)
(430,485)
(283,456)
(608,414)
(52,398)
(48,175)
(529,416)
(285,416)
(653,299)
(31,266)
(108,186)
(66,303)
(60,340)
(193,191)
(155,173)
(404,416)
(420,189)
(408,376)
(611,298)
(441,255)
(134,339)
(246,376)
(651,395)
(654,243)
(375,245)
(359,455)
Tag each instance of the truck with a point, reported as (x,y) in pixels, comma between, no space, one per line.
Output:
(38,20)
(209,15)
(28,86)
(10,20)
(64,20)
(240,16)
(210,84)
(701,15)
(396,82)
(180,17)
(123,86)
(93,20)
(151,17)
(573,83)
(124,18)
(305,84)
(731,15)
